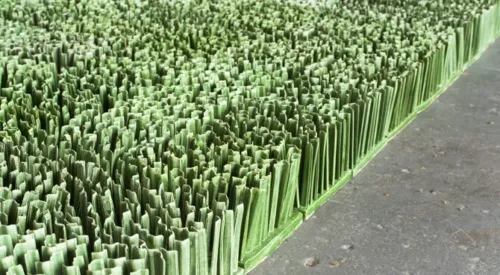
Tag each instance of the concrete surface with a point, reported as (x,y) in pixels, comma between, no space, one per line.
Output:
(429,203)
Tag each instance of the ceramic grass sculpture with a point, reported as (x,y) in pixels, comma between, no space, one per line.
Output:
(192,137)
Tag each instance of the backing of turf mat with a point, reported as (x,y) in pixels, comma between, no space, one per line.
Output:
(309,210)
(365,160)
(259,254)
(180,137)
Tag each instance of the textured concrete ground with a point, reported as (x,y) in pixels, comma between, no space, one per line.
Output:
(429,203)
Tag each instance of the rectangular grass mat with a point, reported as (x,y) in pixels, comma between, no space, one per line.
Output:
(192,137)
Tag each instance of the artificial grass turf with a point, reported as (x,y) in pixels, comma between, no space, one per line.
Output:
(187,137)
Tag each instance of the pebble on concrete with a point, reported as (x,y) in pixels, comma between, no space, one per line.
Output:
(310,262)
